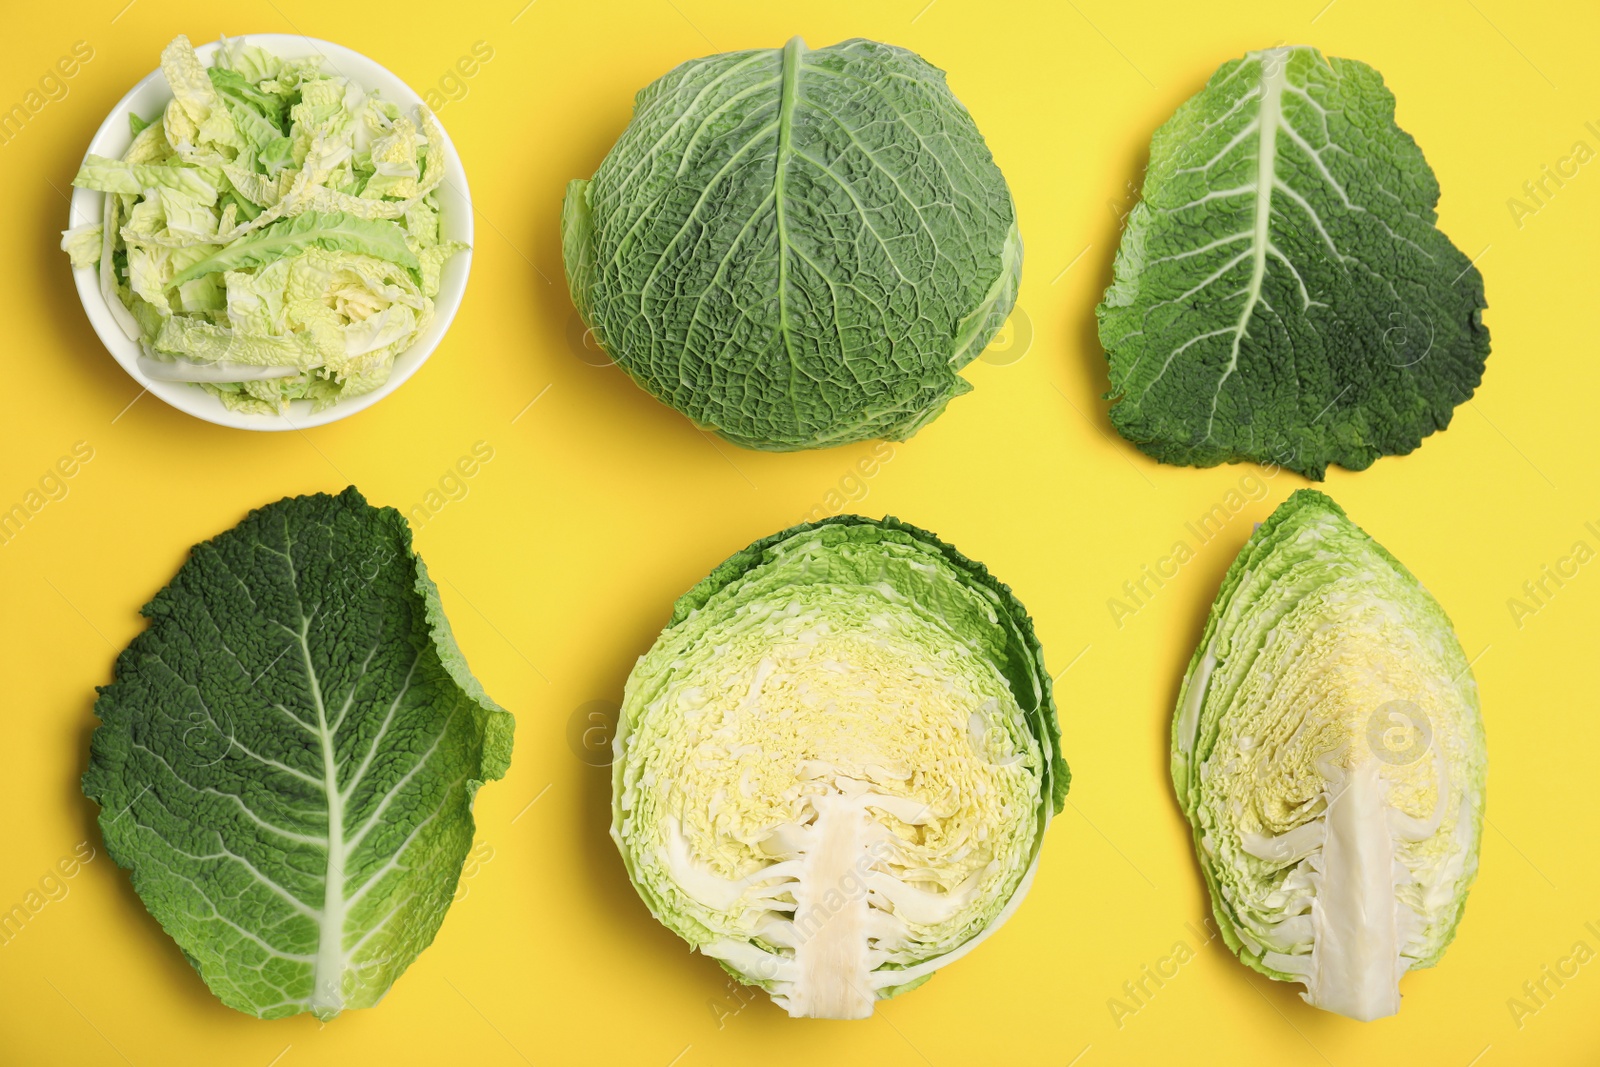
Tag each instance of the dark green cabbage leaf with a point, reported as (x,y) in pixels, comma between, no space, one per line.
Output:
(287,759)
(1282,293)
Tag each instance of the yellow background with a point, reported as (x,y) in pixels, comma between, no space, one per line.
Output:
(600,506)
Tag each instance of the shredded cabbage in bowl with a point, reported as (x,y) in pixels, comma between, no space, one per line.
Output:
(273,235)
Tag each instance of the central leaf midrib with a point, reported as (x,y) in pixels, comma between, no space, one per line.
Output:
(328,970)
(786,105)
(1274,73)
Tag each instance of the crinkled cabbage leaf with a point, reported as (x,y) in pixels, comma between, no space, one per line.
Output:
(287,759)
(1282,293)
(796,248)
(1328,751)
(836,765)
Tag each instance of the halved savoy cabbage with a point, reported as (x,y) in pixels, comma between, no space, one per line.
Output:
(836,765)
(287,759)
(1282,293)
(796,248)
(1328,751)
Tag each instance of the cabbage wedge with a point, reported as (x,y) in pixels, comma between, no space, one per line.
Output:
(1328,752)
(836,765)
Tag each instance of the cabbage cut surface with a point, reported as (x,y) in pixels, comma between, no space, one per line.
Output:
(836,765)
(1328,751)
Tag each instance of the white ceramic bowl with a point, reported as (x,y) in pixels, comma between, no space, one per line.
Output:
(148,98)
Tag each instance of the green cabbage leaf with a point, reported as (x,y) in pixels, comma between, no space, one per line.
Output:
(287,759)
(1282,293)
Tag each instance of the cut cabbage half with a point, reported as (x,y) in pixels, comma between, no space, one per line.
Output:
(836,765)
(1328,752)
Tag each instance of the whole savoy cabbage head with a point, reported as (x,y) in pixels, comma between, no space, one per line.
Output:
(796,248)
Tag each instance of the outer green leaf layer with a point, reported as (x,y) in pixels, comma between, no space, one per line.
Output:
(794,248)
(287,759)
(1281,293)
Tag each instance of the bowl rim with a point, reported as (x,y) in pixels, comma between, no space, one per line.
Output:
(455,220)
